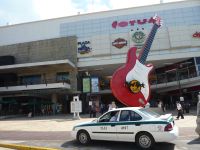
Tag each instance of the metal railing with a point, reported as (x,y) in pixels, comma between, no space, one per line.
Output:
(176,74)
(21,83)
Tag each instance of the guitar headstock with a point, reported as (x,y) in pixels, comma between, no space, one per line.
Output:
(158,20)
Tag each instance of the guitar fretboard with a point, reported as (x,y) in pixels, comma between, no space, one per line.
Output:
(145,50)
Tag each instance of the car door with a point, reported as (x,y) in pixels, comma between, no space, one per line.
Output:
(128,125)
(105,129)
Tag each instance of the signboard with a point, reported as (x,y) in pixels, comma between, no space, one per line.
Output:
(182,99)
(119,43)
(138,37)
(84,47)
(86,85)
(90,103)
(132,22)
(76,106)
(196,35)
(95,84)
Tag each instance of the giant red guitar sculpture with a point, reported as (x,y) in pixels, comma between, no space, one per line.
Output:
(130,84)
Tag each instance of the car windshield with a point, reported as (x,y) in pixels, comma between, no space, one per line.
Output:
(149,113)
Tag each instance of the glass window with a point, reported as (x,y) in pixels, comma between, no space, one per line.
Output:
(149,113)
(31,79)
(62,76)
(135,116)
(128,115)
(198,60)
(109,117)
(125,115)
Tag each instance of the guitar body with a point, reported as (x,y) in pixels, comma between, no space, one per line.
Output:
(130,83)
(132,73)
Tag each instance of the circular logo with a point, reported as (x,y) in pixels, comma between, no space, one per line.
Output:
(135,86)
(138,37)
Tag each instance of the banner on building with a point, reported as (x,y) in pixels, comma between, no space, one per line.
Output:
(86,85)
(95,84)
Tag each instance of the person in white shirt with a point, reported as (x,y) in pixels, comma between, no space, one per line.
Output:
(113,119)
(113,115)
(180,110)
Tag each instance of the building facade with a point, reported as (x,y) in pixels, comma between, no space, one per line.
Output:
(45,63)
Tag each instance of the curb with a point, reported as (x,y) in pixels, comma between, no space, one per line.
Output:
(24,147)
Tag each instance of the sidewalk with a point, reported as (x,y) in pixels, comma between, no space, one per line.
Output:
(43,129)
(66,122)
(42,123)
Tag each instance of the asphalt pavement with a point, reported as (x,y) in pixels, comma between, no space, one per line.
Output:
(54,132)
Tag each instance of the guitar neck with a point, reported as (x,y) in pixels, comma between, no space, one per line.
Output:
(145,49)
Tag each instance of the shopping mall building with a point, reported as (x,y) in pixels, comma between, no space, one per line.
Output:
(43,64)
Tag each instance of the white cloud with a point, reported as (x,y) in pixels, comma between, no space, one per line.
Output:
(54,8)
(46,9)
(117,4)
(96,6)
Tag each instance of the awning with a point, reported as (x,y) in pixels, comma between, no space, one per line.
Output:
(38,65)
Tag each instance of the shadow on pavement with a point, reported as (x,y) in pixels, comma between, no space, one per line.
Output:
(195,141)
(108,145)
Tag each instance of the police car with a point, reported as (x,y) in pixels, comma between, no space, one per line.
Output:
(130,124)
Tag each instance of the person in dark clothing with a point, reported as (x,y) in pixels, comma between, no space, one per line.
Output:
(90,111)
(93,110)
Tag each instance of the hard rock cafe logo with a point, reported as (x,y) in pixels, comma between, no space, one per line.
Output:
(119,43)
(135,86)
(83,47)
(138,37)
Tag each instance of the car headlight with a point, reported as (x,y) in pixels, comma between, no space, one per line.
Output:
(73,128)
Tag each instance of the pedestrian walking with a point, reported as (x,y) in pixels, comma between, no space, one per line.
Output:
(93,110)
(102,108)
(180,111)
(90,111)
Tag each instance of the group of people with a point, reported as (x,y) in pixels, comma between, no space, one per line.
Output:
(93,109)
(102,109)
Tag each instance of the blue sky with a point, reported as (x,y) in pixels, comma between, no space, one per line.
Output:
(20,11)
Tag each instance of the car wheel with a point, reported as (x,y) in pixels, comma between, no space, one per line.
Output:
(83,137)
(145,140)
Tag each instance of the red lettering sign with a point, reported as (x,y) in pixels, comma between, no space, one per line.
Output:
(123,24)
(116,24)
(196,35)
